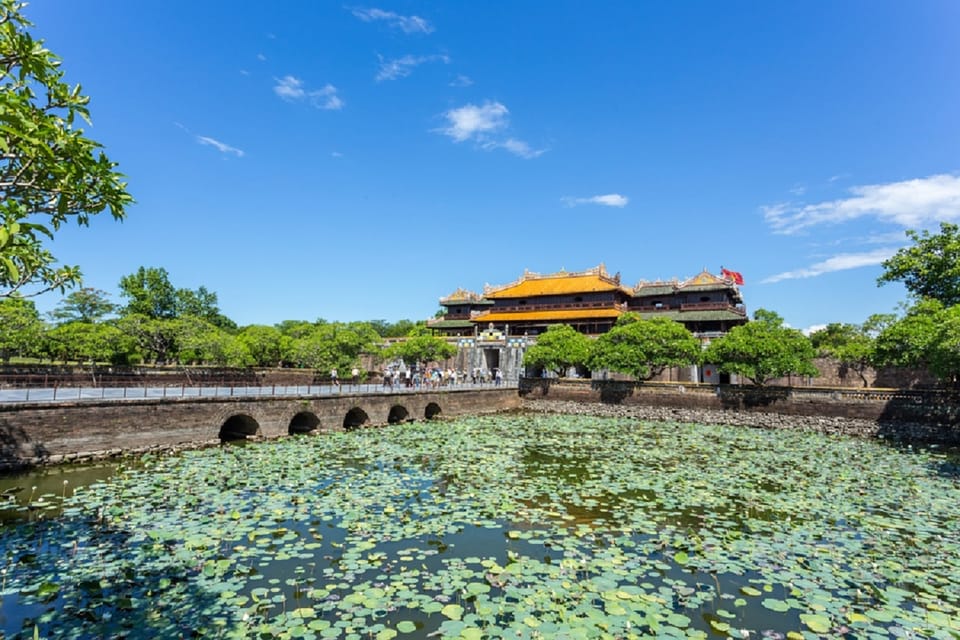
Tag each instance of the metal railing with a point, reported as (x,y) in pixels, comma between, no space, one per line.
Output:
(82,393)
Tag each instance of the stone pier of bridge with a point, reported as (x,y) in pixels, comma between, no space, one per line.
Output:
(50,432)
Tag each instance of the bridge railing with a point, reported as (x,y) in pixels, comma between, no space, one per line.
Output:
(80,393)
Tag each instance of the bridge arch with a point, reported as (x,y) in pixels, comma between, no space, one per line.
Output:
(355,418)
(238,427)
(431,411)
(303,422)
(398,414)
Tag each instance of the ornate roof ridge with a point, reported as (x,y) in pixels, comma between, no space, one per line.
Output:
(462,294)
(599,271)
(702,278)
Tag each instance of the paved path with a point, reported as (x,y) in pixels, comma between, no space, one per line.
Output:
(73,394)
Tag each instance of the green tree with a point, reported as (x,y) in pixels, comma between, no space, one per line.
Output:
(926,337)
(420,348)
(644,347)
(201,342)
(329,345)
(849,344)
(263,343)
(397,329)
(931,267)
(944,353)
(154,338)
(21,330)
(558,349)
(763,350)
(83,305)
(149,293)
(201,303)
(907,341)
(88,342)
(49,171)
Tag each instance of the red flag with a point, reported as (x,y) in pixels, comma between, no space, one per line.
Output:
(736,276)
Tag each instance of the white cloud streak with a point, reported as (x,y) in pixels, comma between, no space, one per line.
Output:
(407,24)
(607,200)
(403,67)
(910,203)
(841,262)
(484,125)
(461,81)
(220,146)
(292,89)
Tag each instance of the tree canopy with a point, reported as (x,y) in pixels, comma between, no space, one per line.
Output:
(930,268)
(50,172)
(644,347)
(558,349)
(851,345)
(83,305)
(420,348)
(763,350)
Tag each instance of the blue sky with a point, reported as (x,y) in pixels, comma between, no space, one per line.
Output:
(313,160)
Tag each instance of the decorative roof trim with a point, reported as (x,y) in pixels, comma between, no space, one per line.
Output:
(599,271)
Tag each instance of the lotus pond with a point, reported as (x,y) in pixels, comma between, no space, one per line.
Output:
(509,526)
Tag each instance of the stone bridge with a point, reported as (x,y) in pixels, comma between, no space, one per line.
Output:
(48,432)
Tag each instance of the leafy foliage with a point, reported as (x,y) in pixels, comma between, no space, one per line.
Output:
(329,345)
(149,293)
(558,349)
(849,344)
(931,267)
(644,347)
(763,350)
(420,348)
(263,343)
(21,330)
(928,335)
(84,305)
(49,171)
(88,342)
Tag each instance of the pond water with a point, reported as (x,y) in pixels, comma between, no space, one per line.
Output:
(512,526)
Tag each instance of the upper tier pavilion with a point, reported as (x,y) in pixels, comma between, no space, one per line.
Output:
(591,301)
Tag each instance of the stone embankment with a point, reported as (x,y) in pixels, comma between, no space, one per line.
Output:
(895,431)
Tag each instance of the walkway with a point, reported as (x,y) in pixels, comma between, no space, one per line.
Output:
(73,394)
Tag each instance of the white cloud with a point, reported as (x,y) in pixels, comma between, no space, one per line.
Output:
(402,67)
(461,81)
(336,154)
(407,24)
(910,203)
(607,200)
(220,146)
(471,121)
(514,146)
(261,57)
(481,124)
(813,329)
(291,89)
(841,262)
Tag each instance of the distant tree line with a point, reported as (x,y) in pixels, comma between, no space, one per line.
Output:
(161,324)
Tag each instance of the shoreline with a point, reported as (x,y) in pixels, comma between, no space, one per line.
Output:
(900,432)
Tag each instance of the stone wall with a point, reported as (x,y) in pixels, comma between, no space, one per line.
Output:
(909,415)
(33,433)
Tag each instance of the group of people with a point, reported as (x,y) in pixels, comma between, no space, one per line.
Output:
(421,377)
(418,378)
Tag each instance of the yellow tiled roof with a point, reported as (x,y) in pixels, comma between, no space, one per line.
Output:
(556,285)
(562,314)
